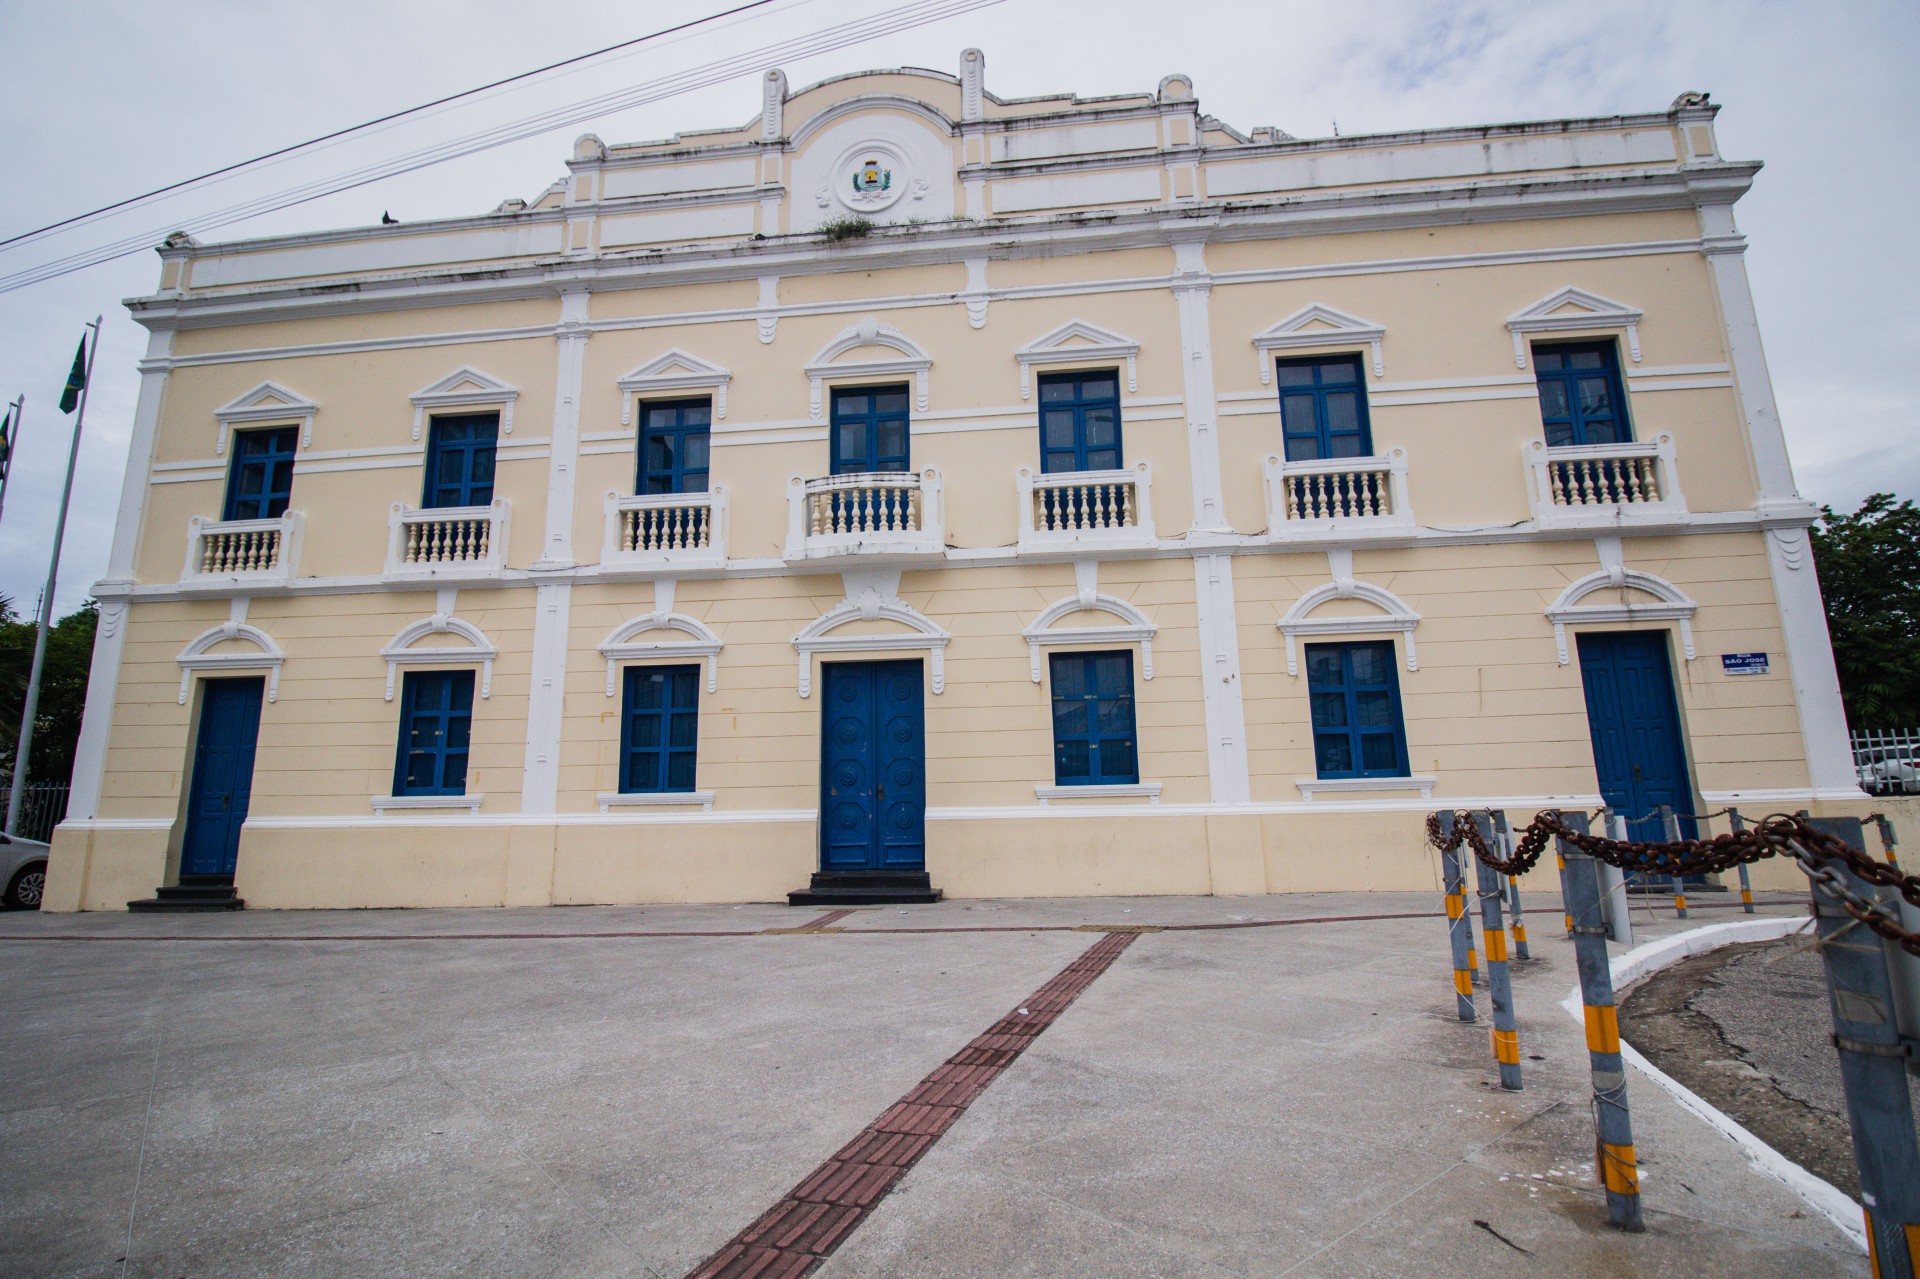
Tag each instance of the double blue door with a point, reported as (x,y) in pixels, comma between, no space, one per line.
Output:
(1635,723)
(222,775)
(873,771)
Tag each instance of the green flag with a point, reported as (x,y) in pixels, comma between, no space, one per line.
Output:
(6,444)
(76,380)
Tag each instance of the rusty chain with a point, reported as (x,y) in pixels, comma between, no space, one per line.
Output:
(1779,834)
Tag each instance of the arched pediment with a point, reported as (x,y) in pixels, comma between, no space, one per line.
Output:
(907,357)
(1573,310)
(405,648)
(465,387)
(1392,615)
(198,655)
(1077,342)
(268,402)
(674,371)
(626,645)
(921,633)
(1669,604)
(1133,627)
(1318,325)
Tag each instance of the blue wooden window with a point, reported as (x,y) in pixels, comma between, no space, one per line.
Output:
(1093,741)
(436,728)
(460,460)
(1323,408)
(260,480)
(1080,422)
(1357,729)
(659,728)
(869,431)
(673,447)
(1580,395)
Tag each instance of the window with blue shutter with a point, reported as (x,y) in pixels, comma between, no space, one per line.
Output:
(1323,408)
(260,479)
(869,430)
(1580,393)
(659,728)
(460,461)
(1357,728)
(673,447)
(1079,422)
(436,730)
(1093,738)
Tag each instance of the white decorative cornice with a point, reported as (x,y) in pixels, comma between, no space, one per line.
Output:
(1674,605)
(625,644)
(268,402)
(1574,310)
(478,648)
(1318,326)
(924,634)
(195,657)
(465,387)
(1135,628)
(674,371)
(1394,615)
(868,332)
(1077,342)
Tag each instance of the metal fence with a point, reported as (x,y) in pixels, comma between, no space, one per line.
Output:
(43,805)
(1887,760)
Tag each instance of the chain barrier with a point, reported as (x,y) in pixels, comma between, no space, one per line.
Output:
(1703,817)
(1778,835)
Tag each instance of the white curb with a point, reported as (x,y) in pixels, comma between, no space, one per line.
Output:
(1823,1197)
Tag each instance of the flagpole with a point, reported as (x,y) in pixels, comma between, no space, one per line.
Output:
(32,706)
(15,411)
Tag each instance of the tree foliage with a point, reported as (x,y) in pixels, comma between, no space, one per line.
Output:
(1869,565)
(63,689)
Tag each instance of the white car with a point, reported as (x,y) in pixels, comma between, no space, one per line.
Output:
(23,865)
(1889,770)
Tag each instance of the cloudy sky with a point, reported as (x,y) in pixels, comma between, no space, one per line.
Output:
(108,98)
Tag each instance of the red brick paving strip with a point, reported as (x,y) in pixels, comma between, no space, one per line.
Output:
(816,1216)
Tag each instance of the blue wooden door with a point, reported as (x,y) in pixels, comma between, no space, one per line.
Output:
(1635,724)
(873,767)
(222,775)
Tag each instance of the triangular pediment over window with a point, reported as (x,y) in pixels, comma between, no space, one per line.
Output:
(1319,325)
(466,387)
(268,402)
(1574,310)
(676,370)
(1078,342)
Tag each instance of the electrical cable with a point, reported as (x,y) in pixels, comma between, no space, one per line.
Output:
(825,40)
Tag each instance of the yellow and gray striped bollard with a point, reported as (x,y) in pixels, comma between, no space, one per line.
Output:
(1459,927)
(1670,821)
(1506,1031)
(1520,950)
(1614,1160)
(1736,825)
(1888,843)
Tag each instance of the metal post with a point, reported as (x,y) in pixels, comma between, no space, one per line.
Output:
(15,411)
(1888,842)
(1506,1031)
(1520,950)
(1871,1057)
(1736,824)
(1459,927)
(1620,905)
(1670,821)
(21,755)
(1614,1159)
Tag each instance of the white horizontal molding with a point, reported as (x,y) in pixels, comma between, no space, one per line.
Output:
(1316,327)
(465,387)
(401,651)
(1674,605)
(268,402)
(1134,628)
(1312,786)
(1573,310)
(609,800)
(412,803)
(671,373)
(869,332)
(1078,343)
(195,657)
(1149,791)
(625,645)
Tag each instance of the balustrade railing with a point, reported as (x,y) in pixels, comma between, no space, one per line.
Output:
(1603,482)
(253,549)
(868,512)
(1076,507)
(1345,493)
(465,537)
(666,527)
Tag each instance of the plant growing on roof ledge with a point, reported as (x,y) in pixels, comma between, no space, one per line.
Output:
(851,227)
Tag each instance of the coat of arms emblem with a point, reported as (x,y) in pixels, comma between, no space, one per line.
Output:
(870,179)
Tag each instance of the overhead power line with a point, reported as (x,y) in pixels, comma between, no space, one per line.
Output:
(209,175)
(824,40)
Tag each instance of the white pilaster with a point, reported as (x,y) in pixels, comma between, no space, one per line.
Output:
(1816,681)
(1192,284)
(1220,680)
(110,639)
(546,697)
(1726,250)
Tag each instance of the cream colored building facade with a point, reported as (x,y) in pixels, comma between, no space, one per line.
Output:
(1200,270)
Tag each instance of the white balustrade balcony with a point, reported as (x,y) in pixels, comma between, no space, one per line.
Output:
(665,529)
(1070,509)
(1344,495)
(876,515)
(253,551)
(447,542)
(1603,485)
